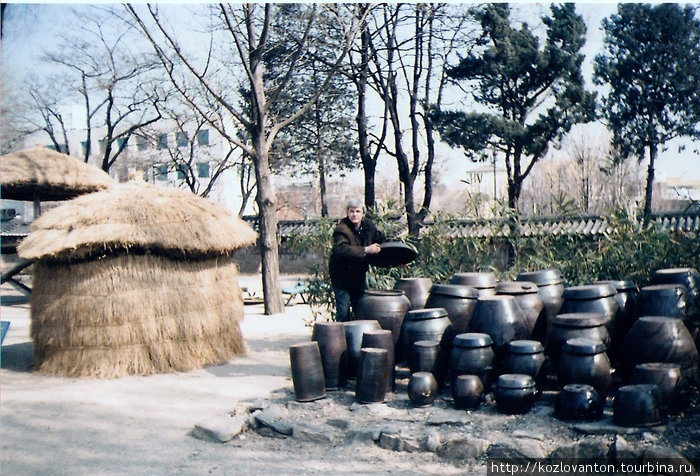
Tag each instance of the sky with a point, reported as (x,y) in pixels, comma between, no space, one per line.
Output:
(31,28)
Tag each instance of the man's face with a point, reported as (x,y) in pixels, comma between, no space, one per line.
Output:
(355,215)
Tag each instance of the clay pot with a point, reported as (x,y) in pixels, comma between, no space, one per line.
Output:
(579,324)
(585,361)
(422,389)
(690,278)
(416,290)
(550,287)
(578,402)
(483,282)
(330,337)
(515,393)
(664,300)
(530,302)
(598,298)
(501,318)
(472,354)
(307,372)
(659,339)
(427,356)
(628,312)
(524,357)
(386,306)
(372,375)
(459,302)
(639,406)
(423,324)
(668,377)
(467,392)
(382,339)
(353,337)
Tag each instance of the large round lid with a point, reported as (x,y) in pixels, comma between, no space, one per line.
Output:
(516,287)
(663,290)
(472,340)
(429,313)
(541,277)
(393,253)
(619,285)
(385,292)
(455,290)
(525,346)
(515,381)
(589,291)
(478,280)
(583,346)
(579,319)
(674,275)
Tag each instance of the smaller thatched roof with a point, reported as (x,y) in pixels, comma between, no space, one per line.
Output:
(44,174)
(136,217)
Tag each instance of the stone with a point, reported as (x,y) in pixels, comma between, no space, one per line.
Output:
(220,429)
(430,441)
(448,417)
(312,434)
(274,418)
(463,448)
(528,434)
(397,442)
(338,423)
(517,448)
(363,435)
(588,448)
(622,450)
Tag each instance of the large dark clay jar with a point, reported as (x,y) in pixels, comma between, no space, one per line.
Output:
(382,339)
(578,402)
(524,357)
(371,375)
(501,318)
(628,312)
(585,361)
(532,305)
(307,371)
(638,405)
(659,339)
(459,302)
(598,298)
(550,287)
(416,290)
(330,337)
(423,324)
(353,338)
(690,278)
(669,378)
(467,392)
(422,389)
(668,300)
(515,393)
(483,282)
(428,356)
(386,306)
(472,354)
(579,324)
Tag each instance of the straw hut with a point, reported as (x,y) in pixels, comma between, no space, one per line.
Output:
(40,174)
(136,279)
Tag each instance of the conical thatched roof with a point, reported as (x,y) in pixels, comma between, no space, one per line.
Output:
(44,174)
(136,217)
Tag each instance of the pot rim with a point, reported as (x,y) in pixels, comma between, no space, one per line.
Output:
(472,340)
(455,290)
(589,291)
(542,277)
(423,314)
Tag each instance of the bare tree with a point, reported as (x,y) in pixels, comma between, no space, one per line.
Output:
(244,31)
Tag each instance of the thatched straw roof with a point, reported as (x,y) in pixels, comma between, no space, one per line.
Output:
(140,218)
(44,174)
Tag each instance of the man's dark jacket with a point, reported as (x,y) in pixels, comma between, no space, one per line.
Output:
(348,263)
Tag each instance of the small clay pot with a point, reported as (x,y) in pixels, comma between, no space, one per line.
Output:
(416,290)
(307,371)
(578,402)
(515,393)
(427,356)
(467,392)
(472,354)
(372,375)
(639,406)
(524,357)
(422,389)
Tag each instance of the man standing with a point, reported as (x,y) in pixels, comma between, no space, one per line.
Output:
(354,237)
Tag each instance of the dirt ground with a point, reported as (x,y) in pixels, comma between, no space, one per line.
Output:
(143,425)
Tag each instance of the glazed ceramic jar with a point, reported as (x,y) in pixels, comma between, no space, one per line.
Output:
(524,357)
(598,298)
(669,300)
(578,402)
(307,371)
(659,339)
(467,392)
(483,282)
(515,393)
(501,318)
(424,324)
(530,302)
(585,361)
(422,389)
(459,302)
(416,290)
(382,339)
(578,324)
(669,378)
(428,356)
(330,337)
(639,406)
(628,312)
(472,354)
(550,287)
(688,277)
(372,375)
(353,338)
(386,306)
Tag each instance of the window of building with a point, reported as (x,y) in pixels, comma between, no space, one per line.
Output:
(83,146)
(180,173)
(121,142)
(141,143)
(161,172)
(203,137)
(163,141)
(182,139)
(103,144)
(203,169)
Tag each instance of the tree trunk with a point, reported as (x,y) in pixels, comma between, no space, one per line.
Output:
(650,184)
(321,158)
(368,164)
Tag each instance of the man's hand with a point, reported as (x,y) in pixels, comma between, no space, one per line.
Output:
(373,249)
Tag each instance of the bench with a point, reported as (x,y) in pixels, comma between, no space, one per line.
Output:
(294,289)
